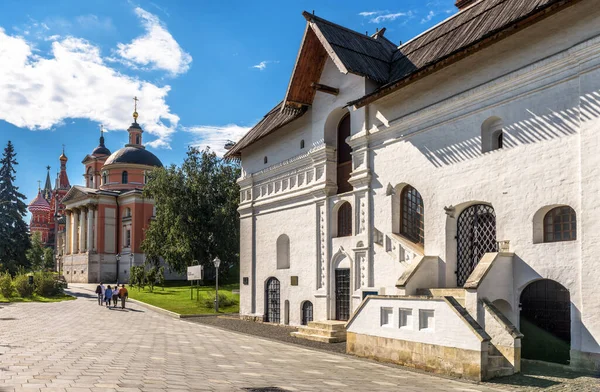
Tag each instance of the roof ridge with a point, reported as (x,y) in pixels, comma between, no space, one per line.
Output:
(449,31)
(309,16)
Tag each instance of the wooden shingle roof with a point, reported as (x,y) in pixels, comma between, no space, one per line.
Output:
(272,121)
(376,58)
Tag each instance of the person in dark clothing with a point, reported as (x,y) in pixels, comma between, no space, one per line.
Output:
(100,293)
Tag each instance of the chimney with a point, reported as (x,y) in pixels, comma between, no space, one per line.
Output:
(462,4)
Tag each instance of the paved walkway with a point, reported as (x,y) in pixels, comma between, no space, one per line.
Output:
(80,346)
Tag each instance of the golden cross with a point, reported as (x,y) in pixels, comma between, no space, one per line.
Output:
(135,99)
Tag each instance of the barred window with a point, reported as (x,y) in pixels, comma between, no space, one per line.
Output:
(411,215)
(344,218)
(560,224)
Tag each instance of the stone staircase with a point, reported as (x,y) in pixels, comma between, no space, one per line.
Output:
(457,293)
(328,331)
(498,366)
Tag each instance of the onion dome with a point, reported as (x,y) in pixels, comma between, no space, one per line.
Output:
(63,157)
(39,204)
(134,155)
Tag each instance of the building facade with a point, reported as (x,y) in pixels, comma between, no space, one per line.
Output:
(105,219)
(452,179)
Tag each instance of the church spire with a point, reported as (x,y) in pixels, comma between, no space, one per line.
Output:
(63,182)
(48,186)
(135,131)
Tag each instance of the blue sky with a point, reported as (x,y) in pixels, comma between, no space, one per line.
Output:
(204,71)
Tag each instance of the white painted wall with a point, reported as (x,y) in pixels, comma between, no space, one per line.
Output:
(449,329)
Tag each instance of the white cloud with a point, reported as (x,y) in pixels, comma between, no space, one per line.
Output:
(93,22)
(429,16)
(156,49)
(215,137)
(390,17)
(262,65)
(74,82)
(369,13)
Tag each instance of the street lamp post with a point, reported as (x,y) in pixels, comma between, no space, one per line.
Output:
(118,260)
(217,262)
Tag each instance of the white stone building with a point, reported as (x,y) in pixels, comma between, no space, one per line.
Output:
(454,178)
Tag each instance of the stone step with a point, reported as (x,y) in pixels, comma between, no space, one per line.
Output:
(322,332)
(332,325)
(318,338)
(499,372)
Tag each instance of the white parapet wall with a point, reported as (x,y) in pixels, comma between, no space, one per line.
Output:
(430,333)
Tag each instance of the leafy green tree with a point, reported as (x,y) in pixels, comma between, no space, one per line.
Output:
(196,212)
(14,232)
(160,278)
(35,254)
(48,259)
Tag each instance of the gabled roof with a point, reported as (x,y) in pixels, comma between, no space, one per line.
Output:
(274,120)
(81,192)
(379,60)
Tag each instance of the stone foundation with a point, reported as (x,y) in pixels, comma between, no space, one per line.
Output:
(444,360)
(584,361)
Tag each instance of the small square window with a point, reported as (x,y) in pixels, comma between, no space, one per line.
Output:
(406,319)
(426,320)
(387,315)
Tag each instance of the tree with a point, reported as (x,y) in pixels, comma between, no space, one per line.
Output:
(35,254)
(196,212)
(14,232)
(48,259)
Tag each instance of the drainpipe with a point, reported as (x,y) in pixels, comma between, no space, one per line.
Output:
(118,228)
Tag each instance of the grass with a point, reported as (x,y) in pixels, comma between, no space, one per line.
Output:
(175,297)
(37,298)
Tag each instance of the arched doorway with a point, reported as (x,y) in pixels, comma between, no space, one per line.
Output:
(273,302)
(307,312)
(476,235)
(342,294)
(546,322)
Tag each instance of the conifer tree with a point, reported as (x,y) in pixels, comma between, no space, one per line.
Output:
(14,232)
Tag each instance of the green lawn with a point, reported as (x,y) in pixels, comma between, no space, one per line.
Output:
(37,298)
(176,298)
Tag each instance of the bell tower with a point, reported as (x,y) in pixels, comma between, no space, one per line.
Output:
(135,131)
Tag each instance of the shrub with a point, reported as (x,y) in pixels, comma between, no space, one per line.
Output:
(6,285)
(22,286)
(45,284)
(224,300)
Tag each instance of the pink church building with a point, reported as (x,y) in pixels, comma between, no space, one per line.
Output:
(106,218)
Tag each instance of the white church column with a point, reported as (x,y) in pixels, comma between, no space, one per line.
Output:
(90,228)
(68,218)
(95,229)
(75,232)
(81,230)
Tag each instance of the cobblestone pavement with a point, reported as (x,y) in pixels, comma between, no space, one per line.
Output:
(80,346)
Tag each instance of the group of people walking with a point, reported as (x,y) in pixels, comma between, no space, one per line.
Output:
(108,294)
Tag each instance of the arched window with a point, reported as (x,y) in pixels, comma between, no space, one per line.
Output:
(492,134)
(265,160)
(283,252)
(137,139)
(127,213)
(302,144)
(124,177)
(344,220)
(344,156)
(104,178)
(90,177)
(411,215)
(560,224)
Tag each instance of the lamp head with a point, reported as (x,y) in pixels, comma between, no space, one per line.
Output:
(217,262)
